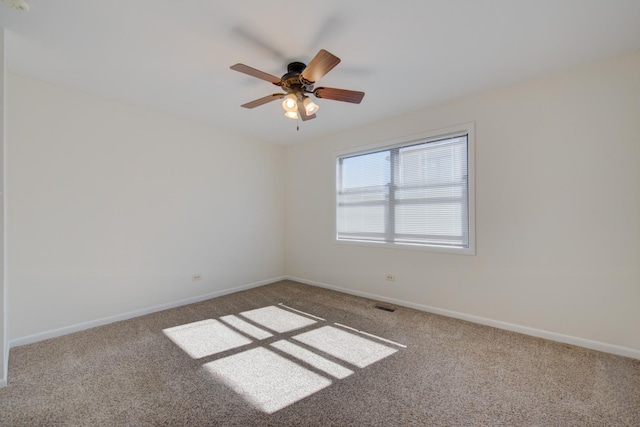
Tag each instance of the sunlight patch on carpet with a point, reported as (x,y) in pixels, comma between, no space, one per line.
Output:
(205,338)
(246,327)
(303,312)
(313,359)
(346,346)
(264,366)
(266,380)
(277,319)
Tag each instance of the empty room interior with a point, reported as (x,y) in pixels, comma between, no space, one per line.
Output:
(329,213)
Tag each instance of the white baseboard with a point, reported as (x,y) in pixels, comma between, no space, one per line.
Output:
(124,316)
(553,336)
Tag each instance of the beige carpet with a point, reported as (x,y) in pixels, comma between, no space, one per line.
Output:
(290,354)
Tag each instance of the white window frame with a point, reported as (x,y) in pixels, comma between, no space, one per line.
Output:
(435,135)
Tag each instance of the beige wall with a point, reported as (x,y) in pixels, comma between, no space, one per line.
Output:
(557,211)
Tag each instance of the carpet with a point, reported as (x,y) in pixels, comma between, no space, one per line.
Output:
(290,354)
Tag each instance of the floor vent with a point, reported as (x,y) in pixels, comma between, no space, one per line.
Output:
(385,308)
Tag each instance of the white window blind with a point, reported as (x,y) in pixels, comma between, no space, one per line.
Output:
(414,194)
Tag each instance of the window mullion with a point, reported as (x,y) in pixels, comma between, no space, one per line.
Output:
(394,175)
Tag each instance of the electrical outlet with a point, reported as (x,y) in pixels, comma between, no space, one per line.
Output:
(390,277)
(196,277)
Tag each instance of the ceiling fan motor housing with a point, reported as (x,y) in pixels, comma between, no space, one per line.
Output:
(291,81)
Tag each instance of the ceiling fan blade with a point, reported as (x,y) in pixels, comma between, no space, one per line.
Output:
(320,65)
(339,94)
(256,73)
(302,112)
(263,100)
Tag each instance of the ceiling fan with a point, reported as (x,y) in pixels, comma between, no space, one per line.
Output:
(298,82)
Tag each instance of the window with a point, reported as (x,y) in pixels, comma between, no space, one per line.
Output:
(417,193)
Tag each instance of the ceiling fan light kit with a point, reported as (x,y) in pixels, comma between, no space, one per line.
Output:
(298,82)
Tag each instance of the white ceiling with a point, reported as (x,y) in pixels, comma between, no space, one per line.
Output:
(174,56)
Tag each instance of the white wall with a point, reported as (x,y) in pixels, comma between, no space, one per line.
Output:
(557,212)
(4,347)
(112,209)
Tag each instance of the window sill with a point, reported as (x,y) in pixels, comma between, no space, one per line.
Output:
(401,246)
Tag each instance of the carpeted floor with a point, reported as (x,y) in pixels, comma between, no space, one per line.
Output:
(291,354)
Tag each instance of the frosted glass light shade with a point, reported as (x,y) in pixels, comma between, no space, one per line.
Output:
(290,103)
(310,107)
